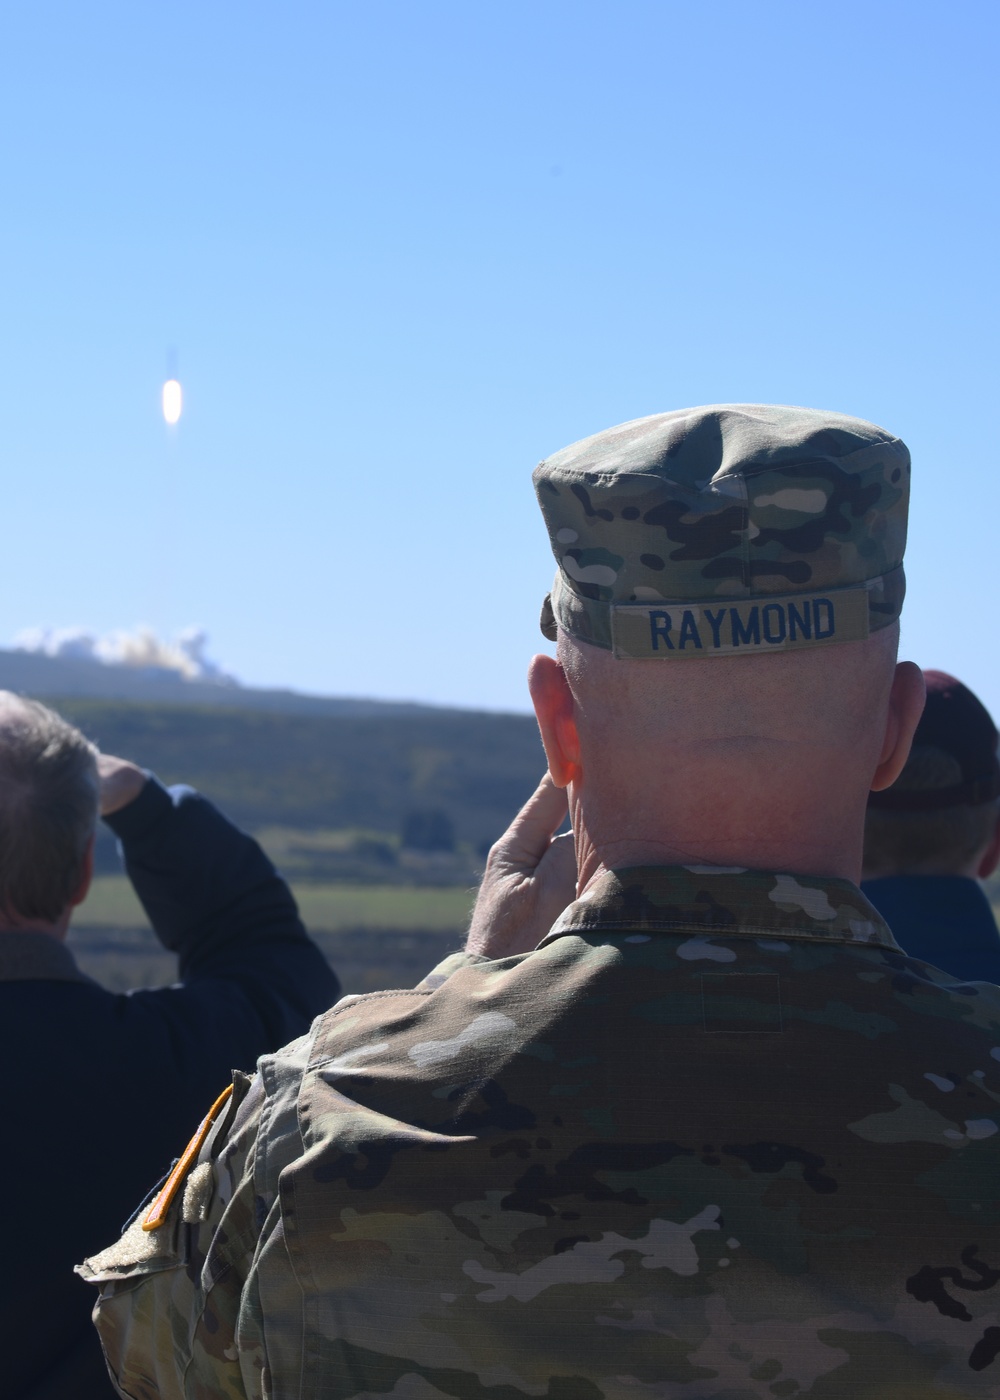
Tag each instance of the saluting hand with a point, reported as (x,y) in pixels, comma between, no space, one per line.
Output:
(120,782)
(529,880)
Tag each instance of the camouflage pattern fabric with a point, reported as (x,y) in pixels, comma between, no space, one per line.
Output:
(717,1138)
(735,504)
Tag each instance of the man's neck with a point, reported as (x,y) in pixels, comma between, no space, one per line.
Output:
(56,930)
(821,850)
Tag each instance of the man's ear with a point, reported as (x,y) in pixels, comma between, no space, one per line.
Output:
(556,715)
(86,874)
(991,856)
(906,705)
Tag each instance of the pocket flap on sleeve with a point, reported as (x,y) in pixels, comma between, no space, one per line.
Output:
(139,1253)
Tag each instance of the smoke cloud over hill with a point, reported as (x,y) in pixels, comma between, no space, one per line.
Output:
(138,649)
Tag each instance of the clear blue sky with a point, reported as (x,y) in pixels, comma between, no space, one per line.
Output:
(404,250)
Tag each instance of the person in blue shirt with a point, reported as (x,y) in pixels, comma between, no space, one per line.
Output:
(99,1088)
(933,835)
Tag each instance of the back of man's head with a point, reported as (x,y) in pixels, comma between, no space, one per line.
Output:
(726,608)
(940,816)
(48,810)
(738,713)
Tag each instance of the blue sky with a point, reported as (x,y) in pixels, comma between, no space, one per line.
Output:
(402,251)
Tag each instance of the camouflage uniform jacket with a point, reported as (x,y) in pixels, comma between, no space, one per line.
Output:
(716,1138)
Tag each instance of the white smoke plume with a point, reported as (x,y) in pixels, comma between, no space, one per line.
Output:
(141,648)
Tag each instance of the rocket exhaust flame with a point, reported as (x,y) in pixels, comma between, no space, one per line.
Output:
(173,401)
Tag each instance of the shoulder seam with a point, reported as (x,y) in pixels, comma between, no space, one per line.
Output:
(346,1003)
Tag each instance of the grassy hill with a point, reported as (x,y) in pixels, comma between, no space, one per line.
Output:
(308,773)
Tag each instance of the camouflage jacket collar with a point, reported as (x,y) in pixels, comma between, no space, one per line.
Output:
(717,900)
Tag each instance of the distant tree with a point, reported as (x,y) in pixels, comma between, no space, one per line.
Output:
(368,848)
(429,830)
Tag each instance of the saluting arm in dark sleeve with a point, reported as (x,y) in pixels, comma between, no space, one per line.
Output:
(214,898)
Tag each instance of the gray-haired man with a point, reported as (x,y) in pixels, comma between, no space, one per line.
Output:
(100,1088)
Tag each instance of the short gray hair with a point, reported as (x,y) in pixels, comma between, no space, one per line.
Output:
(48,808)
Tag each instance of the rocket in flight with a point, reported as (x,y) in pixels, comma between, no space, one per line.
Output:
(173,401)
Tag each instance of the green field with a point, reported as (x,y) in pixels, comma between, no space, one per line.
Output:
(112,904)
(337,907)
(373,936)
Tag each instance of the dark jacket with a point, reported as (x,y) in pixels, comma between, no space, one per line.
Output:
(944,920)
(104,1090)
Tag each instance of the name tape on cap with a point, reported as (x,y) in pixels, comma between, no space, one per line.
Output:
(738,627)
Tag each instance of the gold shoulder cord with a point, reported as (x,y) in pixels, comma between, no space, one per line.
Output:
(157,1213)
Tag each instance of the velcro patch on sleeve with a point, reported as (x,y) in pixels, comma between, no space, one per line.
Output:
(738,627)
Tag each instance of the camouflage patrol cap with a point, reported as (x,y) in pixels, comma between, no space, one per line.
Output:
(733,529)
